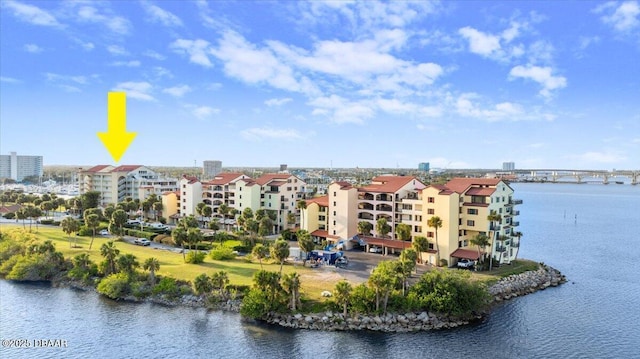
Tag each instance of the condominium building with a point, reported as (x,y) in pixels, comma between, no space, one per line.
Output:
(115,184)
(463,206)
(18,167)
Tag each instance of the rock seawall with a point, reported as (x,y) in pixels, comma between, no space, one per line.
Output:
(506,288)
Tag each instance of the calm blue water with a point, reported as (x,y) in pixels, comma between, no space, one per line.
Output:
(590,232)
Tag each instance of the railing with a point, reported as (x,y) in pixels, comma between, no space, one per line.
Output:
(515,223)
(494,227)
(516,201)
(515,213)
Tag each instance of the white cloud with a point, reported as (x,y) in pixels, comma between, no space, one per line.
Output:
(203,112)
(33,48)
(114,23)
(177,91)
(160,15)
(87,46)
(154,55)
(340,110)
(479,42)
(136,90)
(9,80)
(32,14)
(466,106)
(117,50)
(195,49)
(277,101)
(53,77)
(161,72)
(541,75)
(133,63)
(257,134)
(624,17)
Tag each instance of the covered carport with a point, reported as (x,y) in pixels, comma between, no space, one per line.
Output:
(470,254)
(388,246)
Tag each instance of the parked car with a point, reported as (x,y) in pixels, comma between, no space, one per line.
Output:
(158,225)
(142,242)
(342,262)
(375,250)
(465,263)
(104,232)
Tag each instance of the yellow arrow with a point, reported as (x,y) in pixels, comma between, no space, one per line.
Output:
(117,139)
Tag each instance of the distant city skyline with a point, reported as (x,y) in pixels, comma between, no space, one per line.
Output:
(326,84)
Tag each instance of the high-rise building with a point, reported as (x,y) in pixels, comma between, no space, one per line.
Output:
(508,166)
(211,169)
(423,166)
(18,167)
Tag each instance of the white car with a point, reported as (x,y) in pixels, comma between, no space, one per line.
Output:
(142,242)
(465,263)
(104,232)
(375,250)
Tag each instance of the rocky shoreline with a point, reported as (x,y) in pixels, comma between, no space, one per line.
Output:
(506,288)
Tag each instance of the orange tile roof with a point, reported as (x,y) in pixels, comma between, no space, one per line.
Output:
(191,179)
(460,185)
(466,254)
(476,191)
(344,184)
(387,184)
(266,178)
(97,168)
(224,178)
(126,168)
(322,201)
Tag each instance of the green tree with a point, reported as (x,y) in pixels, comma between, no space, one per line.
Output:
(291,285)
(69,225)
(260,251)
(194,236)
(199,210)
(420,244)
(47,206)
(280,251)
(107,212)
(92,222)
(481,241)
(127,263)
(90,199)
(265,226)
(517,235)
(152,265)
(118,219)
(207,212)
(157,209)
(382,227)
(110,253)
(202,284)
(403,232)
(342,295)
(435,222)
(269,283)
(365,228)
(383,280)
(406,264)
(306,243)
(219,282)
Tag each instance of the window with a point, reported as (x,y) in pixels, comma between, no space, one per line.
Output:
(431,246)
(473,211)
(334,213)
(431,200)
(418,218)
(430,235)
(334,203)
(334,222)
(289,189)
(431,211)
(184,186)
(471,223)
(417,229)
(334,194)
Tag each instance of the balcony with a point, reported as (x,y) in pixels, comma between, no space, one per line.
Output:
(515,223)
(365,196)
(515,213)
(494,227)
(384,197)
(515,201)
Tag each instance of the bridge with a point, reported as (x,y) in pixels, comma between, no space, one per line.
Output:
(578,176)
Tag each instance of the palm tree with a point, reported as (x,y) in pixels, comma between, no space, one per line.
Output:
(127,263)
(517,235)
(493,219)
(280,251)
(219,281)
(406,265)
(92,222)
(420,244)
(305,243)
(157,208)
(383,280)
(118,219)
(403,232)
(206,212)
(69,225)
(259,251)
(152,265)
(291,284)
(481,241)
(435,222)
(342,294)
(199,209)
(202,284)
(301,205)
(110,253)
(22,214)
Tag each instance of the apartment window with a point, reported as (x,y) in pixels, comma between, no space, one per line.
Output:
(334,194)
(460,233)
(240,196)
(334,203)
(334,223)
(499,210)
(430,235)
(473,211)
(417,229)
(334,232)
(431,246)
(431,200)
(459,221)
(184,193)
(431,211)
(184,207)
(184,186)
(471,223)
(289,189)
(463,243)
(334,213)
(418,218)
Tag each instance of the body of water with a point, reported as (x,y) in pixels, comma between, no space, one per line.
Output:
(589,232)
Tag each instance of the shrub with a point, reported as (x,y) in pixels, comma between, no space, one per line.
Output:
(10,215)
(363,299)
(255,304)
(164,239)
(444,263)
(222,254)
(115,286)
(162,220)
(166,286)
(449,292)
(231,243)
(140,289)
(194,257)
(202,246)
(140,234)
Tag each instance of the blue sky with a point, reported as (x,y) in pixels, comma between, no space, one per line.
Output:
(470,84)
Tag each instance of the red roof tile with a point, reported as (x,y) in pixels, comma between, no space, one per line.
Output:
(344,184)
(460,185)
(322,201)
(391,243)
(126,168)
(191,179)
(225,178)
(97,168)
(480,191)
(266,178)
(466,254)
(387,184)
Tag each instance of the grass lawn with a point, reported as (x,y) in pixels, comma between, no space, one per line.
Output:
(239,270)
